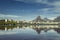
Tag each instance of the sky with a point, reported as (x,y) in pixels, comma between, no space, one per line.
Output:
(29,9)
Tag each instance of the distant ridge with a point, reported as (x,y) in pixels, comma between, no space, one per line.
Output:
(57,19)
(38,19)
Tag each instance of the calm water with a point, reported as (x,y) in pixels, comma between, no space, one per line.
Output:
(27,33)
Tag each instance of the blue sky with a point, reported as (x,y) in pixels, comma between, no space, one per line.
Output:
(29,9)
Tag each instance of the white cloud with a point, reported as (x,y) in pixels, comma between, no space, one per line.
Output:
(38,1)
(33,1)
(57,6)
(55,10)
(52,18)
(50,13)
(15,17)
(56,3)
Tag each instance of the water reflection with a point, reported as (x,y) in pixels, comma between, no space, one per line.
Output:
(57,30)
(46,30)
(38,30)
(29,33)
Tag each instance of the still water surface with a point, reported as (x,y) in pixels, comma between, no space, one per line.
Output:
(27,33)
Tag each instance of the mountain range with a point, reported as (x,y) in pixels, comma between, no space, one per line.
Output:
(39,19)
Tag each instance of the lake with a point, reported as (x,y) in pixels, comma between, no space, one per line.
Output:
(27,33)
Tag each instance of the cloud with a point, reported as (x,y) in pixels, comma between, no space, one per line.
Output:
(54,10)
(50,13)
(37,1)
(32,1)
(57,3)
(57,6)
(49,2)
(14,17)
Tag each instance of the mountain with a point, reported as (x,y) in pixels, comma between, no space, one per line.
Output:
(57,19)
(46,19)
(38,19)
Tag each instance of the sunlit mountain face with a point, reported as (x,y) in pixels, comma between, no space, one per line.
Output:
(29,9)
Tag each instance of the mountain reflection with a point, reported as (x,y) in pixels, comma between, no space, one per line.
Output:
(38,30)
(45,30)
(57,30)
